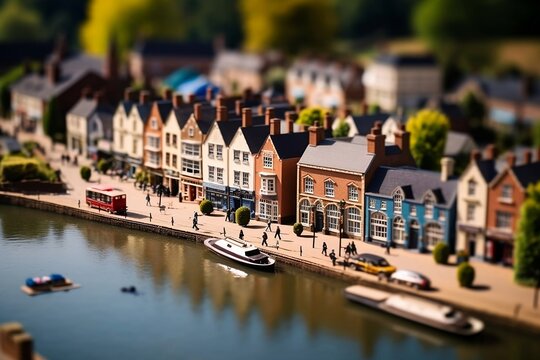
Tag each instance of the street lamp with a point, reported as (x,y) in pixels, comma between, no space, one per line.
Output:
(341,209)
(314,209)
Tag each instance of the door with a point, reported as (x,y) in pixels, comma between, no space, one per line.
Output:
(471,239)
(192,193)
(174,187)
(413,234)
(319,219)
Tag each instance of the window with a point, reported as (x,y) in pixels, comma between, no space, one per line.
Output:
(308,185)
(428,203)
(191,149)
(245,179)
(398,202)
(153,123)
(329,188)
(305,209)
(506,193)
(434,235)
(268,160)
(353,192)
(503,220)
(268,186)
(372,203)
(134,124)
(245,158)
(174,161)
(211,173)
(237,178)
(268,209)
(154,158)
(470,212)
(174,142)
(354,221)
(191,132)
(442,215)
(398,231)
(153,141)
(219,176)
(383,205)
(471,187)
(219,152)
(236,156)
(167,139)
(134,147)
(191,167)
(413,210)
(211,151)
(377,226)
(167,159)
(332,217)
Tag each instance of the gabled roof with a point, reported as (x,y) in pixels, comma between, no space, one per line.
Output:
(527,173)
(164,108)
(487,169)
(406,60)
(255,136)
(226,60)
(347,155)
(126,105)
(228,129)
(290,145)
(143,110)
(87,107)
(181,114)
(153,47)
(364,123)
(415,183)
(456,143)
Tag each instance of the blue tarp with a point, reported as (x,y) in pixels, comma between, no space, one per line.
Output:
(180,77)
(197,86)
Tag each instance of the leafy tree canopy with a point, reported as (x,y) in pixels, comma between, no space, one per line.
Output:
(308,116)
(474,109)
(342,129)
(18,22)
(428,129)
(527,252)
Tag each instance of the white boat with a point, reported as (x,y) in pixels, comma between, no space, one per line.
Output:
(240,251)
(420,310)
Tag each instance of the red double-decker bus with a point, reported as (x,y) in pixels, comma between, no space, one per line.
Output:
(106,197)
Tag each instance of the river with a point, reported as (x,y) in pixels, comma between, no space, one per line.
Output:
(191,304)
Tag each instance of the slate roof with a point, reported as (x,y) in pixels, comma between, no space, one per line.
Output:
(346,74)
(238,60)
(487,169)
(87,107)
(527,173)
(509,88)
(10,144)
(290,145)
(364,123)
(127,105)
(415,183)
(406,60)
(153,47)
(455,143)
(182,114)
(228,129)
(143,110)
(255,136)
(164,108)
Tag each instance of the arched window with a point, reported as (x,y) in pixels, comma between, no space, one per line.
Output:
(398,231)
(329,188)
(305,208)
(308,185)
(428,204)
(378,226)
(433,235)
(354,221)
(398,201)
(332,217)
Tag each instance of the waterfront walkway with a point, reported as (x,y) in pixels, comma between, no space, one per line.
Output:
(494,292)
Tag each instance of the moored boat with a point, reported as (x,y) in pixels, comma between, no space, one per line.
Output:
(420,310)
(54,282)
(241,252)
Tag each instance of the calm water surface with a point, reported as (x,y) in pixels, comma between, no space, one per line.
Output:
(192,306)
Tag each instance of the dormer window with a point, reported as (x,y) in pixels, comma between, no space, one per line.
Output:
(398,201)
(329,188)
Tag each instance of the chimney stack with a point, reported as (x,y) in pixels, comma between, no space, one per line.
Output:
(475,155)
(209,94)
(98,97)
(61,49)
(527,156)
(268,115)
(447,168)
(129,94)
(511,159)
(221,113)
(365,108)
(53,72)
(167,94)
(220,101)
(246,117)
(86,92)
(238,105)
(491,152)
(191,98)
(275,126)
(177,100)
(328,120)
(197,111)
(375,141)
(316,134)
(144,97)
(402,138)
(260,110)
(247,95)
(290,118)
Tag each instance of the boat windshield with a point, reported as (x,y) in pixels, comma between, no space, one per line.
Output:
(253,252)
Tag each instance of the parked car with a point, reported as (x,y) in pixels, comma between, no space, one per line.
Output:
(410,278)
(372,264)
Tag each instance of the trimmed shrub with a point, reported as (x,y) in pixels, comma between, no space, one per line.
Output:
(462,256)
(206,207)
(17,168)
(298,229)
(441,253)
(242,216)
(86,173)
(104,165)
(465,274)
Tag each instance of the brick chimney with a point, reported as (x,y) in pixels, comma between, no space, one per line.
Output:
(476,155)
(238,105)
(220,100)
(402,138)
(290,118)
(86,92)
(61,49)
(167,94)
(177,100)
(144,97)
(268,115)
(511,159)
(129,94)
(275,126)
(99,97)
(209,94)
(191,98)
(527,156)
(247,94)
(53,71)
(328,120)
(447,168)
(316,134)
(246,117)
(197,111)
(375,140)
(110,65)
(491,152)
(221,113)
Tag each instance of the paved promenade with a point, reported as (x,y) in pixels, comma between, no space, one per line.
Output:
(494,293)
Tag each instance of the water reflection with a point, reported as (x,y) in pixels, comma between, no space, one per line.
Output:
(15,225)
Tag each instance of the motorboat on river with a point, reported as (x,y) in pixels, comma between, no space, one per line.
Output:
(45,284)
(241,252)
(414,308)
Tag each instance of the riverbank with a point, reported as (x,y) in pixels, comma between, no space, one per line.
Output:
(284,254)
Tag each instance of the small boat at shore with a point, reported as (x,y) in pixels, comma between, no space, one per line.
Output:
(45,284)
(420,310)
(241,252)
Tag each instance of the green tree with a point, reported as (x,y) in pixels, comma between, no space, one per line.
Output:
(242,216)
(291,26)
(308,116)
(428,129)
(342,129)
(298,229)
(474,109)
(441,253)
(53,123)
(5,82)
(104,165)
(86,173)
(206,207)
(465,274)
(127,20)
(18,22)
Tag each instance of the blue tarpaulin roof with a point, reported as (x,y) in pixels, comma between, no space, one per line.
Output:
(180,77)
(196,86)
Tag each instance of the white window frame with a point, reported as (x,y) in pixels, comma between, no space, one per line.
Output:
(398,230)
(268,209)
(236,156)
(329,188)
(332,217)
(352,193)
(191,167)
(219,152)
(219,175)
(191,149)
(398,202)
(245,179)
(372,203)
(433,233)
(245,158)
(308,185)
(503,220)
(211,151)
(354,220)
(236,178)
(305,210)
(211,173)
(471,187)
(191,132)
(378,226)
(268,185)
(268,160)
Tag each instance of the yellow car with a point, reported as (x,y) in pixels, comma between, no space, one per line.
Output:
(372,264)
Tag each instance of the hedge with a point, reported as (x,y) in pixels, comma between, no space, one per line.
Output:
(206,207)
(242,216)
(441,253)
(465,274)
(17,168)
(298,229)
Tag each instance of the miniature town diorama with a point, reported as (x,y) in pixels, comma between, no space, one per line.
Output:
(352,160)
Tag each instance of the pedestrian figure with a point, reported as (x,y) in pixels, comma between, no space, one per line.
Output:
(172,221)
(278,233)
(348,249)
(228,216)
(241,235)
(353,249)
(79,203)
(195,215)
(264,238)
(345,262)
(269,222)
(388,248)
(324,248)
(333,257)
(195,224)
(148,199)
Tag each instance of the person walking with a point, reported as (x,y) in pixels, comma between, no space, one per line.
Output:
(324,248)
(348,249)
(353,249)
(241,235)
(195,224)
(228,216)
(195,215)
(333,257)
(148,199)
(278,233)
(264,238)
(388,248)
(268,223)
